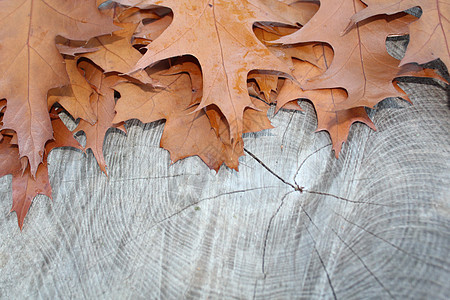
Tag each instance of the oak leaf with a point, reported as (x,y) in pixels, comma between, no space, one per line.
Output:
(336,123)
(152,30)
(219,34)
(187,131)
(429,35)
(361,64)
(328,102)
(267,83)
(102,103)
(75,98)
(62,136)
(116,53)
(30,63)
(25,185)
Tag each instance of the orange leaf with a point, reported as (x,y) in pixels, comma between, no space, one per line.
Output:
(219,34)
(336,123)
(115,52)
(102,103)
(361,64)
(188,131)
(30,62)
(74,97)
(429,36)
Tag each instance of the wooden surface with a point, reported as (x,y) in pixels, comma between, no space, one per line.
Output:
(373,224)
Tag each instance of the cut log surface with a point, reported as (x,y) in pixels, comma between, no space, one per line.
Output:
(374,223)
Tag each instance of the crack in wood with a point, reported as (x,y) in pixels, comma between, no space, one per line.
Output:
(306,158)
(320,257)
(287,127)
(300,189)
(297,188)
(344,199)
(266,236)
(209,198)
(134,237)
(390,243)
(351,249)
(268,169)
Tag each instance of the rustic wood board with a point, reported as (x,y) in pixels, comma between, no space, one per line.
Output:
(374,224)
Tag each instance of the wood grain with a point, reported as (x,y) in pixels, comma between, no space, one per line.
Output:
(373,224)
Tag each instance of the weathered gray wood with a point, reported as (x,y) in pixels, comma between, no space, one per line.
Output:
(374,224)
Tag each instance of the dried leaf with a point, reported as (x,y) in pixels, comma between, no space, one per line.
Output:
(188,131)
(358,55)
(267,83)
(25,186)
(75,98)
(219,34)
(102,103)
(336,123)
(62,136)
(116,53)
(31,63)
(152,30)
(429,36)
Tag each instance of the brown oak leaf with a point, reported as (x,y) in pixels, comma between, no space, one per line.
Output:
(187,131)
(62,136)
(75,98)
(116,53)
(219,34)
(336,123)
(361,64)
(102,103)
(30,63)
(267,83)
(25,186)
(429,35)
(152,30)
